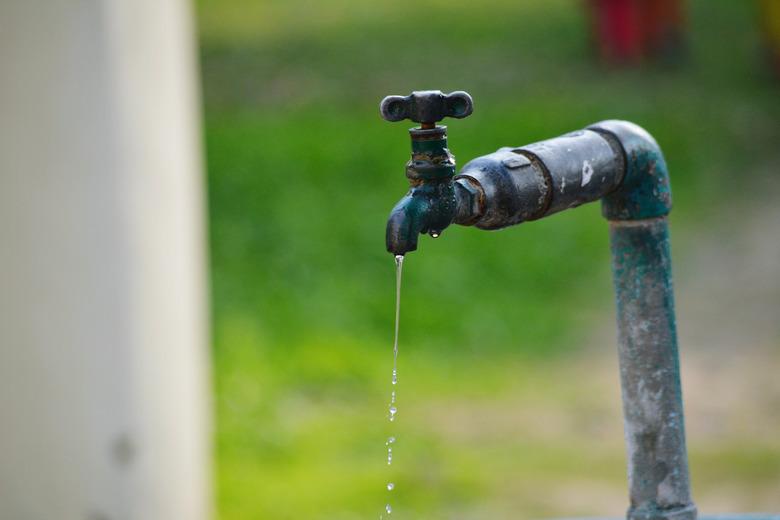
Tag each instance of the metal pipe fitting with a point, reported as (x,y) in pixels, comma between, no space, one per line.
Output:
(430,205)
(620,164)
(645,191)
(530,182)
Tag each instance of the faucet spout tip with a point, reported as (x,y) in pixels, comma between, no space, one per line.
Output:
(402,230)
(428,208)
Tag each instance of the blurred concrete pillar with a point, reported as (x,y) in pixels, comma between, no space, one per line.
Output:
(104,411)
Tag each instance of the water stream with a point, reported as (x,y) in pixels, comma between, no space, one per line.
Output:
(393,408)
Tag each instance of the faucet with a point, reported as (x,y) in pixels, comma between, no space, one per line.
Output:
(434,200)
(620,164)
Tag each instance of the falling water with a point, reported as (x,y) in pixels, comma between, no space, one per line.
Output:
(399,266)
(392,408)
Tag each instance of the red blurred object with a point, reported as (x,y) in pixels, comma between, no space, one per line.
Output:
(628,31)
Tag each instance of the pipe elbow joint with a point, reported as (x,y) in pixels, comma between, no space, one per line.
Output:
(644,191)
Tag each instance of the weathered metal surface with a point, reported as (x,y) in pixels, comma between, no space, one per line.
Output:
(430,205)
(530,182)
(581,167)
(621,164)
(469,202)
(513,189)
(430,157)
(645,191)
(426,106)
(428,208)
(649,371)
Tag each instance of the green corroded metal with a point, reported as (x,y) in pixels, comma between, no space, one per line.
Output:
(435,144)
(431,159)
(658,479)
(428,207)
(644,191)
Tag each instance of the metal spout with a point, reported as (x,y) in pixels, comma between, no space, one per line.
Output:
(428,208)
(430,205)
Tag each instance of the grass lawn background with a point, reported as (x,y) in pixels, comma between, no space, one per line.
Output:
(302,173)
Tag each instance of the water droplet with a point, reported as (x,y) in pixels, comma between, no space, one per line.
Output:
(393,411)
(390,486)
(390,441)
(435,234)
(392,397)
(388,509)
(395,376)
(389,456)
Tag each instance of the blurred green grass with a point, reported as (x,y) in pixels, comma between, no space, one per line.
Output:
(302,174)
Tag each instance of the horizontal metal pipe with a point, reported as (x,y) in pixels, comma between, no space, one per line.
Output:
(510,189)
(530,182)
(581,166)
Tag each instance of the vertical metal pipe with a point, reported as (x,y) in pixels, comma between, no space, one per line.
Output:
(637,211)
(649,371)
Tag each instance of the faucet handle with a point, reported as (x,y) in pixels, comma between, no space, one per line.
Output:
(427,106)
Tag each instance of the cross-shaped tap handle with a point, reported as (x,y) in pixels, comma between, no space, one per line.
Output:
(427,106)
